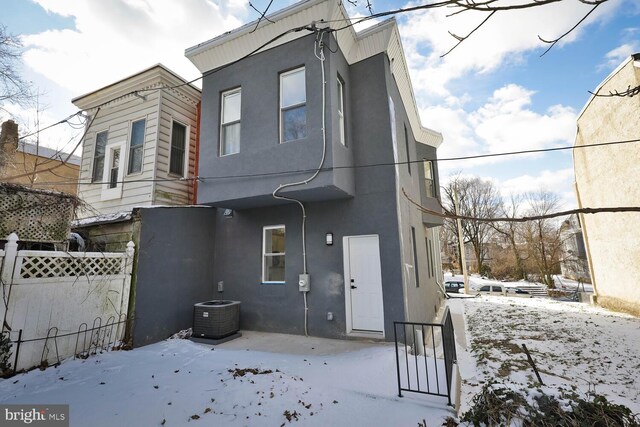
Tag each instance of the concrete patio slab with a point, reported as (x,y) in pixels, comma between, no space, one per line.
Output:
(297,344)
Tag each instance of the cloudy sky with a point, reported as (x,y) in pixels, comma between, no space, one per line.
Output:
(493,93)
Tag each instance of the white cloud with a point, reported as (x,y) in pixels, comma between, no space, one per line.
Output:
(506,122)
(616,56)
(501,40)
(114,39)
(558,181)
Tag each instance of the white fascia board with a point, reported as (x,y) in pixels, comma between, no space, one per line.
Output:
(153,75)
(380,38)
(235,44)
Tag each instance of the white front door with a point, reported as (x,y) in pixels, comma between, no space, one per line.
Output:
(363,280)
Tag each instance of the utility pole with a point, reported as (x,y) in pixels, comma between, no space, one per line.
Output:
(463,257)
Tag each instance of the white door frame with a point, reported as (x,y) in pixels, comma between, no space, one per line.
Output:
(347,289)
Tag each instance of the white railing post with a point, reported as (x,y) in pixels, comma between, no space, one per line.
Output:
(8,263)
(10,253)
(130,251)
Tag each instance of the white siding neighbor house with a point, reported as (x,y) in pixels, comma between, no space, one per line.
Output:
(140,147)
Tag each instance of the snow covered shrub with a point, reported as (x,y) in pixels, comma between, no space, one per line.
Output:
(5,354)
(498,405)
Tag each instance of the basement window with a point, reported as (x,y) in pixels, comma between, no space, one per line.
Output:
(273,254)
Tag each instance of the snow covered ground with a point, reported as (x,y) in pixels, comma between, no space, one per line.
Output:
(562,283)
(179,383)
(575,347)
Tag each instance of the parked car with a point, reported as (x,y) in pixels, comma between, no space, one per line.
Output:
(454,286)
(492,290)
(519,292)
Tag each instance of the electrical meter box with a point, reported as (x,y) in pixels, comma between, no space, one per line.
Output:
(304,283)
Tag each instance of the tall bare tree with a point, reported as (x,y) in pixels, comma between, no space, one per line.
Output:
(511,231)
(13,88)
(477,198)
(543,236)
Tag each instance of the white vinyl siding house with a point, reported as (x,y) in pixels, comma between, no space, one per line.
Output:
(178,109)
(144,119)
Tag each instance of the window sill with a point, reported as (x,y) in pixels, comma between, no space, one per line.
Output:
(175,175)
(293,140)
(273,283)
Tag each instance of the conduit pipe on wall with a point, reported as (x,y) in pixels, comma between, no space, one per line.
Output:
(318,50)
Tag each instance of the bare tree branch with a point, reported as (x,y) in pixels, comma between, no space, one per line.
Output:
(12,87)
(556,40)
(630,92)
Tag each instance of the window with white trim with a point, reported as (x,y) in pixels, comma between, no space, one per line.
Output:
(98,156)
(293,105)
(406,146)
(428,178)
(341,111)
(230,122)
(415,257)
(136,146)
(273,250)
(178,149)
(114,168)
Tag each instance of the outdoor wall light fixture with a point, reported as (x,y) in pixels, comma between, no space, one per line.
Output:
(228,213)
(329,238)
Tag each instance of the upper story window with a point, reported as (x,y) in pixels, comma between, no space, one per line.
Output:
(406,145)
(98,156)
(293,108)
(230,122)
(136,146)
(178,149)
(114,168)
(341,111)
(273,254)
(428,178)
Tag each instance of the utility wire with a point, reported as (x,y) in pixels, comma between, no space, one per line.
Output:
(65,120)
(66,159)
(330,168)
(451,215)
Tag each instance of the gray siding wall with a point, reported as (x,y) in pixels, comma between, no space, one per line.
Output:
(427,152)
(174,269)
(421,295)
(238,258)
(260,149)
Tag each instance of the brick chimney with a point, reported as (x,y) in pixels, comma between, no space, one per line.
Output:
(8,144)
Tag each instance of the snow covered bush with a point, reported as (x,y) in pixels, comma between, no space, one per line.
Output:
(498,405)
(5,354)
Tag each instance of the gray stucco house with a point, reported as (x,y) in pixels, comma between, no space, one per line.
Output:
(306,149)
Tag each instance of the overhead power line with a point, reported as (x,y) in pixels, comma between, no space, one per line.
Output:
(451,215)
(330,168)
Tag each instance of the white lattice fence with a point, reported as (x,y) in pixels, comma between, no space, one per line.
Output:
(35,215)
(50,290)
(40,264)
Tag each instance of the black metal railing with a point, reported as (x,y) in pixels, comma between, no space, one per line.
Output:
(425,354)
(100,337)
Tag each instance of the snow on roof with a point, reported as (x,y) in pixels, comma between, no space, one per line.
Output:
(124,215)
(102,219)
